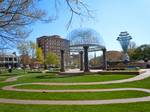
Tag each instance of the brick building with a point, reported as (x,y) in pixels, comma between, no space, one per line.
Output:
(54,44)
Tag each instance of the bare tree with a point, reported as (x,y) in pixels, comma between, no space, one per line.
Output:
(24,47)
(77,8)
(132,45)
(32,49)
(16,15)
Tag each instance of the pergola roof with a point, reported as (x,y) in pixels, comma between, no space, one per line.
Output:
(85,37)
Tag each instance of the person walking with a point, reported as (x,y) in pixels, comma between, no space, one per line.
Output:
(9,69)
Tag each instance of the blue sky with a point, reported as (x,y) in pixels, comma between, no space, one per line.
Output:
(111,17)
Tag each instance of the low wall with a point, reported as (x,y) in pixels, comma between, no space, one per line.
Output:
(104,73)
(121,72)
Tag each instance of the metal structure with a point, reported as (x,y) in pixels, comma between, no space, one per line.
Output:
(86,40)
(85,37)
(124,39)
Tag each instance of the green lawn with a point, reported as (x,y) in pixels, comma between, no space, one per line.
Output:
(136,84)
(5,75)
(51,77)
(130,107)
(72,96)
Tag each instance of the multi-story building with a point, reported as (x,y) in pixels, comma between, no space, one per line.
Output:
(6,60)
(54,44)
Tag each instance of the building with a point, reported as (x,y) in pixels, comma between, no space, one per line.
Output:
(6,60)
(54,44)
(75,60)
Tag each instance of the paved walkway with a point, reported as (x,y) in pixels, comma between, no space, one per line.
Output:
(81,102)
(12,88)
(78,71)
(12,79)
(136,78)
(74,102)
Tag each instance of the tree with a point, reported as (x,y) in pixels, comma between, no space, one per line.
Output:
(51,59)
(131,48)
(141,53)
(25,60)
(27,48)
(23,47)
(17,15)
(24,51)
(32,49)
(39,55)
(132,45)
(77,8)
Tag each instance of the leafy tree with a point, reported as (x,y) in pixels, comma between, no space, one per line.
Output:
(51,59)
(141,53)
(39,55)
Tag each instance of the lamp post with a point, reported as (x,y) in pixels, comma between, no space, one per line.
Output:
(124,39)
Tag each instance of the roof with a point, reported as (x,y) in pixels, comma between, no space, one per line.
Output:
(51,37)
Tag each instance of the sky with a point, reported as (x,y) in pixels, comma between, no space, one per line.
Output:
(111,18)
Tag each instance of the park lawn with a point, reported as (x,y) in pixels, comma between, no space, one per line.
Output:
(72,96)
(136,84)
(51,77)
(5,75)
(129,107)
(2,78)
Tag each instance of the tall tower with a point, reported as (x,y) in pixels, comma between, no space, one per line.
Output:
(124,39)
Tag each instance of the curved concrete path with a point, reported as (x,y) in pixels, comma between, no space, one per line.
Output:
(74,102)
(81,102)
(12,79)
(136,78)
(12,88)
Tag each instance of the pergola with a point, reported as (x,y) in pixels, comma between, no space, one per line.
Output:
(84,40)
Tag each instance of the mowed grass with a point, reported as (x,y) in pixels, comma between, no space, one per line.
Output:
(67,96)
(72,96)
(51,77)
(5,75)
(130,107)
(136,84)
